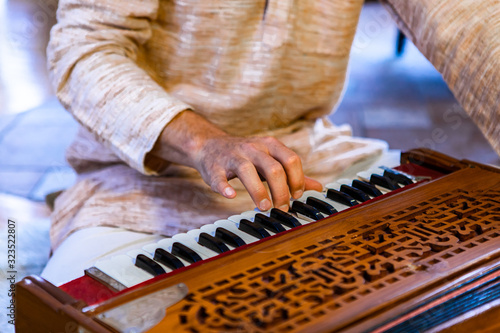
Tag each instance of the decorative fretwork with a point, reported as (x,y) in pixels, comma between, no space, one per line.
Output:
(341,270)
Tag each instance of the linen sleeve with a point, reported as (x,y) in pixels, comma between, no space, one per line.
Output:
(92,60)
(461,38)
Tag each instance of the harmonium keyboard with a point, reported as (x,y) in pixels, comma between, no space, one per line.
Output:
(410,249)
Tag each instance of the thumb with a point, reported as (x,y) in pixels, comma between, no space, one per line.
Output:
(220,185)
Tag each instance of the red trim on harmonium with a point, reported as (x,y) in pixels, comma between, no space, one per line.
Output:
(417,170)
(88,290)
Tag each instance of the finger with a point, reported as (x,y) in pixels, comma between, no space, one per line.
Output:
(220,185)
(276,178)
(311,184)
(292,165)
(246,172)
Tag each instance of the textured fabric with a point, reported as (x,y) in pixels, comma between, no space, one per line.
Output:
(124,69)
(68,261)
(462,40)
(179,200)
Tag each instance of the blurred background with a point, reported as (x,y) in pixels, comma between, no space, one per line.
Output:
(398,98)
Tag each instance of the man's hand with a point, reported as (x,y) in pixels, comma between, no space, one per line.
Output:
(193,141)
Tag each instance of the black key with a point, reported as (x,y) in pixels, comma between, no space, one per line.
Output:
(168,259)
(285,218)
(397,177)
(355,193)
(366,187)
(270,223)
(185,253)
(385,182)
(341,197)
(229,237)
(306,210)
(149,265)
(253,228)
(323,207)
(213,243)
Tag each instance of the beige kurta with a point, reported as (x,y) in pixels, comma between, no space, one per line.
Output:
(124,69)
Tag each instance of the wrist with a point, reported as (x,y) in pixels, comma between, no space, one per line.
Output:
(183,139)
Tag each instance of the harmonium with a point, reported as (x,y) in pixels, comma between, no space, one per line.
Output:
(414,248)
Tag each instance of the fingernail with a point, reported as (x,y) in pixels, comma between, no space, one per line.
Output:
(228,192)
(284,208)
(297,194)
(265,204)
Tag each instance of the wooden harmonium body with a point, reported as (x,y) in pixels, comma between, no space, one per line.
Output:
(424,258)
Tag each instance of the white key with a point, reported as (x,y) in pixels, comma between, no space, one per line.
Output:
(133,254)
(166,244)
(151,248)
(349,182)
(233,227)
(250,215)
(268,213)
(413,178)
(238,218)
(189,241)
(209,229)
(301,219)
(365,175)
(337,184)
(333,186)
(196,236)
(344,181)
(122,269)
(322,196)
(376,171)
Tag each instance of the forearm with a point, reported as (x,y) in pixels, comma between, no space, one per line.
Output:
(183,138)
(93,61)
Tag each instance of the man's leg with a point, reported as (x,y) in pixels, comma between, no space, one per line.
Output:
(84,247)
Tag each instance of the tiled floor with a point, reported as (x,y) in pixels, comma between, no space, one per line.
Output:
(401,100)
(34,145)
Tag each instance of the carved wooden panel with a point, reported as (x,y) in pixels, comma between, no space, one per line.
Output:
(340,271)
(365,269)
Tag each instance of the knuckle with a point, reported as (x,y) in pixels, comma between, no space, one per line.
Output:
(293,159)
(244,166)
(281,199)
(215,187)
(260,193)
(271,140)
(215,183)
(276,170)
(248,146)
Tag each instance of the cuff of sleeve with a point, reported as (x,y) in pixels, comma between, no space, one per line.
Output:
(148,126)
